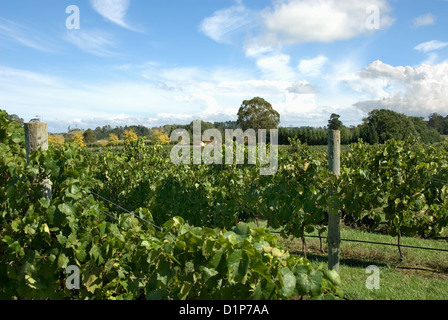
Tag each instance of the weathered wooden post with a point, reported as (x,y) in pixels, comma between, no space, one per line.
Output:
(36,136)
(334,233)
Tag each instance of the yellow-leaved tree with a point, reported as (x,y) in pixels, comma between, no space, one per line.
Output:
(159,137)
(56,140)
(78,138)
(112,140)
(129,136)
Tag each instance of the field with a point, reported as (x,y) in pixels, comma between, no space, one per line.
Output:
(421,275)
(136,226)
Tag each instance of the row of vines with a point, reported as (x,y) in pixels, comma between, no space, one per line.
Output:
(402,184)
(152,253)
(196,244)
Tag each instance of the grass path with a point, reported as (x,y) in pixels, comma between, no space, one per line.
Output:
(422,275)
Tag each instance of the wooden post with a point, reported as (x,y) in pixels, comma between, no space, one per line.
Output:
(334,233)
(36,136)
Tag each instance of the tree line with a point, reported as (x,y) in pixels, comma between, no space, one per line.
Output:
(379,126)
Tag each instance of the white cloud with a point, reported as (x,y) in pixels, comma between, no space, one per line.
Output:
(302,21)
(211,95)
(276,67)
(431,46)
(424,20)
(432,58)
(294,21)
(17,76)
(303,87)
(255,50)
(25,36)
(416,91)
(113,10)
(95,42)
(224,23)
(312,67)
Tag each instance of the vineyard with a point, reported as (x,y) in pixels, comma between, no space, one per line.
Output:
(139,227)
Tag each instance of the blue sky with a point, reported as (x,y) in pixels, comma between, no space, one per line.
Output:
(162,62)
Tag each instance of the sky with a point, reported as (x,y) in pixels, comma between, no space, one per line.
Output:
(92,63)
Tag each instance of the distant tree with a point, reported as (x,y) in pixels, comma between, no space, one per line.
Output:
(204,126)
(334,123)
(112,140)
(346,135)
(257,114)
(159,137)
(35,119)
(129,136)
(89,136)
(426,133)
(368,133)
(56,140)
(437,122)
(17,119)
(78,138)
(383,124)
(445,130)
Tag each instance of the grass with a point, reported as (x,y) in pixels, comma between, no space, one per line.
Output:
(421,275)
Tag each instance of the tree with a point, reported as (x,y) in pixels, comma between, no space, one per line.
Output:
(257,114)
(437,122)
(112,140)
(383,124)
(89,136)
(56,139)
(16,118)
(334,123)
(426,133)
(129,136)
(204,126)
(35,119)
(78,138)
(159,137)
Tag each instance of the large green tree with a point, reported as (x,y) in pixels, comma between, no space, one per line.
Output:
(437,122)
(426,133)
(257,114)
(382,125)
(89,136)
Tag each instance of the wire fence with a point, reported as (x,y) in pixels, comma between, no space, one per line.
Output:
(383,243)
(435,180)
(132,213)
(439,181)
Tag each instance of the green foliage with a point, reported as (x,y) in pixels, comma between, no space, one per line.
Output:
(425,132)
(383,124)
(203,250)
(89,136)
(438,123)
(334,123)
(256,114)
(403,179)
(126,257)
(296,197)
